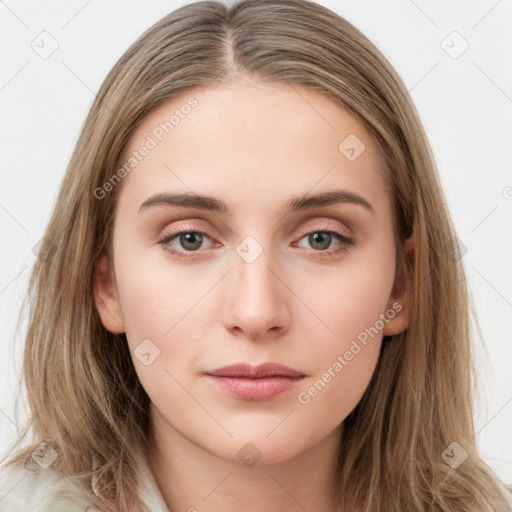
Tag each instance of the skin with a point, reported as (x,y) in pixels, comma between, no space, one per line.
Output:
(254,146)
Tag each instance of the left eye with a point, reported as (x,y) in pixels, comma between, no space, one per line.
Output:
(322,239)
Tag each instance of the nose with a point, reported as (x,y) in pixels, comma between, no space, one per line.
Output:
(258,304)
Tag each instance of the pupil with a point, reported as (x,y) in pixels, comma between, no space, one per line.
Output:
(188,238)
(319,237)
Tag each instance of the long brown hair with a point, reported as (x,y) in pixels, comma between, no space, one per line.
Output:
(84,395)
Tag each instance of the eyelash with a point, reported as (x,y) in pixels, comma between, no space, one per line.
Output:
(330,254)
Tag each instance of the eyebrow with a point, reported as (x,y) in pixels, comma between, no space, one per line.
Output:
(300,203)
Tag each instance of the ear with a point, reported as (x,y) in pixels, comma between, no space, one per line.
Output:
(105,297)
(402,296)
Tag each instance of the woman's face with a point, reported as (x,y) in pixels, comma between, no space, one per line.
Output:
(260,277)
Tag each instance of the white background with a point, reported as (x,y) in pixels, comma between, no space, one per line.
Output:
(465,104)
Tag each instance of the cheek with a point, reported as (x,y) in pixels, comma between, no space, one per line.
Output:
(347,354)
(163,318)
(167,313)
(335,392)
(351,310)
(155,294)
(347,300)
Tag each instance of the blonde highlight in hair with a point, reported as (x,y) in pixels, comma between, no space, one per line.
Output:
(83,392)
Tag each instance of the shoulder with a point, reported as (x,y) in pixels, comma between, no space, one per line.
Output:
(39,491)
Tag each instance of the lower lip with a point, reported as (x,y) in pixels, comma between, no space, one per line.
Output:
(256,390)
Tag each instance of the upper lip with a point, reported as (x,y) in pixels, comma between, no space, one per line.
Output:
(248,371)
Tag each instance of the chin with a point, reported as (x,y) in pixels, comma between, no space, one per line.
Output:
(260,450)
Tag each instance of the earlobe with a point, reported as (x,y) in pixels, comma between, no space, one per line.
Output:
(402,297)
(105,297)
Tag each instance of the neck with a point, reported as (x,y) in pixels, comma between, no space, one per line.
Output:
(193,479)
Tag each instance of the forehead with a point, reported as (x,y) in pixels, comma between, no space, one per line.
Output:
(252,139)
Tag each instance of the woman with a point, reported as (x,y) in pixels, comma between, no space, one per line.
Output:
(250,292)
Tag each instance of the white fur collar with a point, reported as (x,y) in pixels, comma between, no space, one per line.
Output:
(45,491)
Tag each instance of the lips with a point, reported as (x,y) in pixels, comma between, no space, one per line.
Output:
(255,383)
(254,372)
